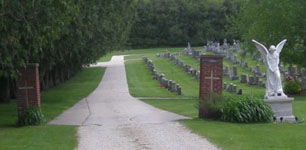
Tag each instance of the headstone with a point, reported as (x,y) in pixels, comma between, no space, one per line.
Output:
(28,93)
(239,92)
(257,70)
(211,74)
(166,85)
(178,89)
(170,85)
(234,76)
(256,80)
(224,85)
(234,88)
(251,80)
(173,88)
(244,78)
(198,75)
(303,83)
(227,71)
(304,73)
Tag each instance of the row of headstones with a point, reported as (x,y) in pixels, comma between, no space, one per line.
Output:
(252,80)
(244,78)
(164,83)
(232,88)
(256,71)
(191,52)
(224,50)
(232,75)
(186,68)
(296,73)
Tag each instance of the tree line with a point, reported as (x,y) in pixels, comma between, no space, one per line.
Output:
(270,22)
(175,22)
(61,35)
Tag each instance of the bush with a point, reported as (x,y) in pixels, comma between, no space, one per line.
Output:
(292,87)
(212,105)
(31,116)
(246,110)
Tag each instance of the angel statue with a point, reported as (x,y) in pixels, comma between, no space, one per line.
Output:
(271,59)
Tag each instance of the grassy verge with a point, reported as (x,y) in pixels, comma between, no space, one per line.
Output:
(228,136)
(54,101)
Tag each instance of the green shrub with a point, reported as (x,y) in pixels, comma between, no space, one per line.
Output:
(246,110)
(212,105)
(291,87)
(31,116)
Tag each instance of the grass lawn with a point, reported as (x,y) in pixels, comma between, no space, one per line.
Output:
(53,101)
(229,136)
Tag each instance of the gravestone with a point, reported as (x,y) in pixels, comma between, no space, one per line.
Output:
(227,71)
(166,84)
(224,85)
(28,93)
(173,89)
(303,83)
(257,70)
(234,76)
(244,78)
(234,88)
(251,80)
(170,85)
(178,89)
(239,92)
(211,74)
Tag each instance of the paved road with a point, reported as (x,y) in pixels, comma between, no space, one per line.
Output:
(111,119)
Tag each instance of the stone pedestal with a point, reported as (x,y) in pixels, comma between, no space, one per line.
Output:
(282,108)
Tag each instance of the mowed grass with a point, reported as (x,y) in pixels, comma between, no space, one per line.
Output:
(53,101)
(228,136)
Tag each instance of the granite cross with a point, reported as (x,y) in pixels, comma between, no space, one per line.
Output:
(27,88)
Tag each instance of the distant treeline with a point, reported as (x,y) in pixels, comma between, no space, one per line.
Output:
(175,22)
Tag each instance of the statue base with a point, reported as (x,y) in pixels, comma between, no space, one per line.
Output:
(282,108)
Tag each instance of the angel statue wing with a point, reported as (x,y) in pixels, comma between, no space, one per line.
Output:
(280,46)
(262,49)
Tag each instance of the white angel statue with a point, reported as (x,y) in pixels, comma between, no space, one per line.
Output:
(271,59)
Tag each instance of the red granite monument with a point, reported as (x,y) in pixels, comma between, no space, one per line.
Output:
(211,73)
(28,88)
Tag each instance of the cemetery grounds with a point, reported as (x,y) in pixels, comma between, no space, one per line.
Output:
(229,136)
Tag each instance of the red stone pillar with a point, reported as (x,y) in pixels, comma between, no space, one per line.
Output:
(211,67)
(28,90)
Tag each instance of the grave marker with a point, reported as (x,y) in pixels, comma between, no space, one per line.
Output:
(28,88)
(211,73)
